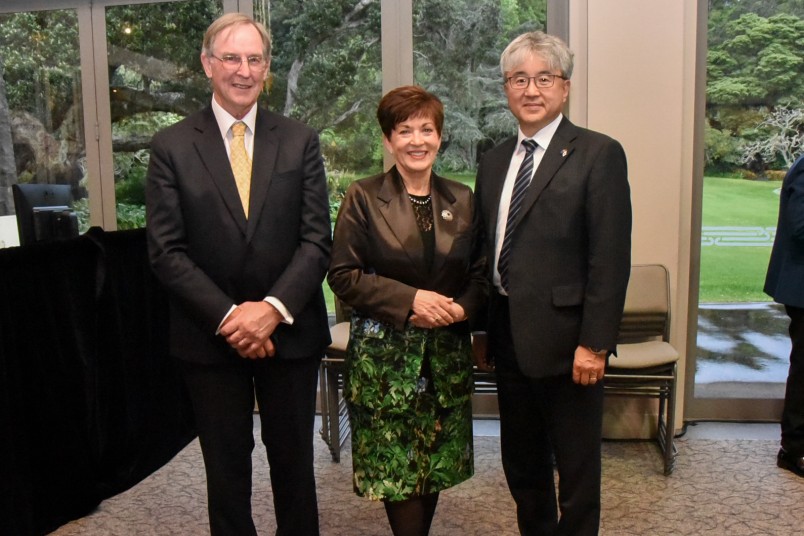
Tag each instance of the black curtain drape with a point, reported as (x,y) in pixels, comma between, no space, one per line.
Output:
(90,401)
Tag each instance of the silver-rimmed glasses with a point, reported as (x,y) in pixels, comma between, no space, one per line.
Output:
(542,80)
(233,61)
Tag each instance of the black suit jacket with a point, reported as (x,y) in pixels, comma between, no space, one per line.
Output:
(784,281)
(571,250)
(209,256)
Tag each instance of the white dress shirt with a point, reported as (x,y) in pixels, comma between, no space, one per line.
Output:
(543,138)
(225,121)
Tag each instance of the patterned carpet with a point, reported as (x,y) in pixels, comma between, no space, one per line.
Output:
(718,488)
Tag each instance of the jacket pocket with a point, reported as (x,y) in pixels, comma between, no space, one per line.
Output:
(567,295)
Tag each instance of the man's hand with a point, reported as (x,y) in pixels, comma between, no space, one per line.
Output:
(588,367)
(249,328)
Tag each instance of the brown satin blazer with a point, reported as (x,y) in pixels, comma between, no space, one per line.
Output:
(377,261)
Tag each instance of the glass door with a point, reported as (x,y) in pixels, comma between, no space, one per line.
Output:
(742,355)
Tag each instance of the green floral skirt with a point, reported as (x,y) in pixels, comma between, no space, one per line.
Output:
(409,399)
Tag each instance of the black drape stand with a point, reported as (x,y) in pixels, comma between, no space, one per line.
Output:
(90,401)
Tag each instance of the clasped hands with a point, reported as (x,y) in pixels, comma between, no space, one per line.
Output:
(432,310)
(249,327)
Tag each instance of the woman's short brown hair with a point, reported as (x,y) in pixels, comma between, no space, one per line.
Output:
(405,102)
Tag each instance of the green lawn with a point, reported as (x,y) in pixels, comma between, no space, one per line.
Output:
(728,274)
(736,274)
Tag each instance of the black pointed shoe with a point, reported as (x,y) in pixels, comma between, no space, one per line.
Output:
(786,461)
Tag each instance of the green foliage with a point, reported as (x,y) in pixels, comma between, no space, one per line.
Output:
(130,216)
(457,49)
(327,72)
(42,77)
(130,171)
(755,65)
(337,183)
(169,32)
(162,30)
(81,208)
(755,60)
(722,151)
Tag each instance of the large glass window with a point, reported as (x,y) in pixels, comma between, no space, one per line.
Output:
(754,125)
(457,46)
(326,72)
(155,79)
(41,113)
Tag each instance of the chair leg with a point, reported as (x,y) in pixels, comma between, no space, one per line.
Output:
(334,417)
(324,401)
(669,445)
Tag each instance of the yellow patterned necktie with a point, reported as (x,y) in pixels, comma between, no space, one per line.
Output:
(241,163)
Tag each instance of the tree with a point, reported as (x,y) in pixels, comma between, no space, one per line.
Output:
(755,65)
(782,136)
(327,73)
(457,48)
(8,169)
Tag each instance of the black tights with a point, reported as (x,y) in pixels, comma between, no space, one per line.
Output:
(412,517)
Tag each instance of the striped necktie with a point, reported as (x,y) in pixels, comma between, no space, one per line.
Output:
(241,163)
(521,184)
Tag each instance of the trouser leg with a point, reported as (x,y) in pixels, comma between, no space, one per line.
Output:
(286,392)
(793,412)
(223,405)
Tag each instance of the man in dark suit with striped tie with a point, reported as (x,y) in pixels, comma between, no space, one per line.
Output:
(239,234)
(556,208)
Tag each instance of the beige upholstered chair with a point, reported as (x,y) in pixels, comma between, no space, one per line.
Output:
(646,363)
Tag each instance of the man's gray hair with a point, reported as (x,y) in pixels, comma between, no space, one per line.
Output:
(551,49)
(235,19)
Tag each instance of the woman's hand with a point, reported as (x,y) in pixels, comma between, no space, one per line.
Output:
(432,310)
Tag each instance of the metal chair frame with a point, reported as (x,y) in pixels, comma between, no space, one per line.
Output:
(645,326)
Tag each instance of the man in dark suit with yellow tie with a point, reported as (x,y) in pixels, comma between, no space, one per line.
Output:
(556,208)
(239,234)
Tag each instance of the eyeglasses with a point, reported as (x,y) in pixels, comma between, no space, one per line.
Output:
(542,80)
(233,61)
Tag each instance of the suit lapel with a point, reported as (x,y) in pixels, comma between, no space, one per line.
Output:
(445,221)
(497,171)
(212,152)
(395,208)
(266,148)
(559,151)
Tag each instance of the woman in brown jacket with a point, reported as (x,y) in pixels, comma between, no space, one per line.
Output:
(406,258)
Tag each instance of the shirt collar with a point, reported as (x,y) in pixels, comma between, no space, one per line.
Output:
(542,137)
(226,120)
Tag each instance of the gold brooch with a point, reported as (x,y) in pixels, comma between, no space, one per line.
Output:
(446,215)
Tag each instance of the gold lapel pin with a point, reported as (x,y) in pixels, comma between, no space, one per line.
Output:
(446,215)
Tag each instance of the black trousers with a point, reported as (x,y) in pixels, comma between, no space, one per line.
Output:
(547,423)
(793,412)
(223,403)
